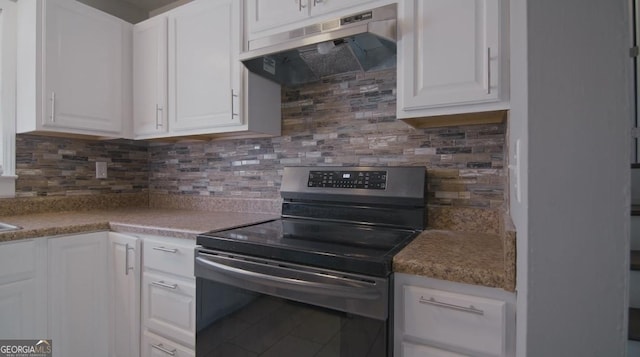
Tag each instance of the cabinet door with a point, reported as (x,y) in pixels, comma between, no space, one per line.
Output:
(204,73)
(267,14)
(22,293)
(78,305)
(448,53)
(150,77)
(84,68)
(124,295)
(169,307)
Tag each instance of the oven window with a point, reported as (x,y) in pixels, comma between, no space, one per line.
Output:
(236,322)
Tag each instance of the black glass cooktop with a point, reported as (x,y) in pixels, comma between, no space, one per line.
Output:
(347,247)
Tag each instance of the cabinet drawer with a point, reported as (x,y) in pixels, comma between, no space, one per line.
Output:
(156,346)
(169,256)
(412,350)
(169,307)
(462,321)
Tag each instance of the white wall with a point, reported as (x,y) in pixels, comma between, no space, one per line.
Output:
(574,99)
(518,196)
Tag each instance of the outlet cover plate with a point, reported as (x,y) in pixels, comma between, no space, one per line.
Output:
(101,170)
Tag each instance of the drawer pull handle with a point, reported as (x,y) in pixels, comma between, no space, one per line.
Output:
(126,259)
(233,113)
(160,347)
(159,120)
(53,107)
(488,70)
(432,301)
(162,284)
(168,250)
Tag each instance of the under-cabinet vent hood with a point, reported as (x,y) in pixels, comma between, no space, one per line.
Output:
(362,41)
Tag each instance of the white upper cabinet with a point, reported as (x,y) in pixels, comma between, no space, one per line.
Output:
(204,71)
(266,17)
(74,69)
(188,79)
(452,57)
(267,14)
(150,77)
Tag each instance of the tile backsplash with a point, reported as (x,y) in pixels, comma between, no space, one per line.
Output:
(344,120)
(50,166)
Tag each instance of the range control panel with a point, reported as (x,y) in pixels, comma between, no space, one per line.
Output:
(369,180)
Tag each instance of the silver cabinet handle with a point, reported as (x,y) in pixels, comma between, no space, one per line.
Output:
(432,301)
(126,259)
(300,5)
(233,113)
(168,250)
(488,70)
(53,107)
(164,285)
(160,347)
(158,122)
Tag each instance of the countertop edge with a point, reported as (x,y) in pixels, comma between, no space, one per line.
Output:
(465,257)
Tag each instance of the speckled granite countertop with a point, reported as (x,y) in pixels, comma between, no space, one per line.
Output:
(163,222)
(473,258)
(476,258)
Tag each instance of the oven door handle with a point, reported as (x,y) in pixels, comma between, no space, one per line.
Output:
(349,289)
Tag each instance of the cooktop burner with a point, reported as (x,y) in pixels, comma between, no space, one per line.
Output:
(356,248)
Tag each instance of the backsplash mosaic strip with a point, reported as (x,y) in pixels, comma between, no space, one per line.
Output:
(212,203)
(344,120)
(52,166)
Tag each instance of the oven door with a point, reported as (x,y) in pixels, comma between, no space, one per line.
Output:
(248,306)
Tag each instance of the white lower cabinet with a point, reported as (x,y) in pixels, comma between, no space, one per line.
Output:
(23,296)
(124,295)
(87,293)
(168,297)
(438,318)
(78,299)
(81,291)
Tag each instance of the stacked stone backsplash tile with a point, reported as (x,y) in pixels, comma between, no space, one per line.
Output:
(50,166)
(345,120)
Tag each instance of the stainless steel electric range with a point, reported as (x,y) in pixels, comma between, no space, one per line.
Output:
(317,281)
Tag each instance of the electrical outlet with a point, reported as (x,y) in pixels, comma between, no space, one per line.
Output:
(101,169)
(514,166)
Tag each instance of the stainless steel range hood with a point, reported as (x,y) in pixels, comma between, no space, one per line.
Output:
(362,41)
